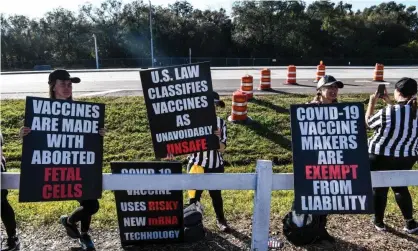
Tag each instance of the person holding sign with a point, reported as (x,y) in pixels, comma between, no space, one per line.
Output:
(212,162)
(327,90)
(302,229)
(7,212)
(393,146)
(60,87)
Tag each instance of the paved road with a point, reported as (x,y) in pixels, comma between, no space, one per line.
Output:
(127,83)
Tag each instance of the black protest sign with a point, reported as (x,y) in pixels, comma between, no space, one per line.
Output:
(180,108)
(62,155)
(149,216)
(330,159)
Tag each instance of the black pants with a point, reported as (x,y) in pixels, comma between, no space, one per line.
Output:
(7,214)
(402,195)
(83,214)
(216,195)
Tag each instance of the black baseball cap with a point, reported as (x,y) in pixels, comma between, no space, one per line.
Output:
(328,80)
(62,75)
(406,86)
(217,100)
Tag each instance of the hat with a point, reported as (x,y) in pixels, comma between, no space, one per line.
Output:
(62,75)
(406,86)
(328,80)
(217,100)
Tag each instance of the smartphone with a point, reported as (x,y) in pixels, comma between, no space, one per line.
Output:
(381,90)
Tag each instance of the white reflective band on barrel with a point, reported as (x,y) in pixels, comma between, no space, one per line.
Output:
(246,84)
(239,113)
(321,71)
(291,78)
(239,104)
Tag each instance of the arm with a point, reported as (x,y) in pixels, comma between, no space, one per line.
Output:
(371,106)
(222,134)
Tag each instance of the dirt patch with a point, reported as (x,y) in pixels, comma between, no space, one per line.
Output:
(351,232)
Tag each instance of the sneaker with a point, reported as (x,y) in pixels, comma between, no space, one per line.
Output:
(222,225)
(411,227)
(71,229)
(275,243)
(380,226)
(13,243)
(86,243)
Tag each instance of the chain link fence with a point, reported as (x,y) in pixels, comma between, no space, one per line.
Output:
(215,62)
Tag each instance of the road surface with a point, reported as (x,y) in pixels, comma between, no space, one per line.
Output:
(128,83)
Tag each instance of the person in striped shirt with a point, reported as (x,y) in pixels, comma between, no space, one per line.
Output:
(393,146)
(212,162)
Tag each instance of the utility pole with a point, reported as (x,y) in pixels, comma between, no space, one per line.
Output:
(150,28)
(97,54)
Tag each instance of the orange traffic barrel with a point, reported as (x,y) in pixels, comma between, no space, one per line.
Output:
(378,72)
(247,85)
(239,107)
(265,80)
(291,75)
(320,71)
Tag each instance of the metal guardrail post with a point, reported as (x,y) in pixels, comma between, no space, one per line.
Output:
(262,201)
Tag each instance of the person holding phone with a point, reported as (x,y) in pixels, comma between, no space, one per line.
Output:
(60,87)
(212,162)
(394,146)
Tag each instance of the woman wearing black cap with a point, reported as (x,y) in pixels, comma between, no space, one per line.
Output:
(393,146)
(212,162)
(60,87)
(326,93)
(303,229)
(327,90)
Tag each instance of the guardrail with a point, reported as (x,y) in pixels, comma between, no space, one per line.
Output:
(263,182)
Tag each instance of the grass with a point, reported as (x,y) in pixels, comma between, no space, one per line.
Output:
(128,139)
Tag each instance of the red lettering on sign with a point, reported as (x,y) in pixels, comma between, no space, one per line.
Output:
(62,191)
(62,174)
(184,147)
(330,172)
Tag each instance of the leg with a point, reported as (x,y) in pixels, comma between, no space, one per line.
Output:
(197,197)
(404,201)
(218,204)
(380,196)
(7,214)
(90,207)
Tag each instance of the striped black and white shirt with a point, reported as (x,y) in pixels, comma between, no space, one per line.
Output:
(211,158)
(395,132)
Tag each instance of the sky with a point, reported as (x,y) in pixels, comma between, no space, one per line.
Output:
(37,8)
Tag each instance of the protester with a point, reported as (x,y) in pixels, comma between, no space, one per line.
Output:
(7,213)
(212,162)
(303,229)
(393,146)
(60,87)
(327,90)
(326,93)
